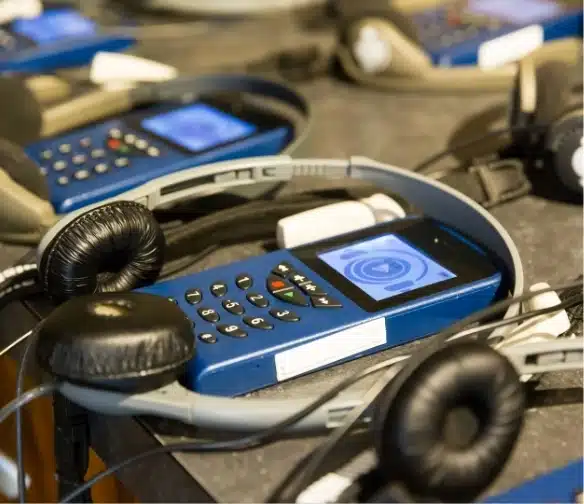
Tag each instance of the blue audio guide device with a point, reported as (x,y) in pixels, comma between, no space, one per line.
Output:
(489,33)
(271,318)
(59,38)
(565,485)
(102,160)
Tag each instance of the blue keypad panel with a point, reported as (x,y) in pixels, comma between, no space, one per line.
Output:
(83,159)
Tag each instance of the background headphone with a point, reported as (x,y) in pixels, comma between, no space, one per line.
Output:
(547,113)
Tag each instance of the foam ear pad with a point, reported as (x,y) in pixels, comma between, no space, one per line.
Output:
(21,119)
(21,169)
(130,342)
(115,247)
(453,423)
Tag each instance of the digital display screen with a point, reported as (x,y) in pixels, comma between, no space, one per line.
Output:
(53,25)
(515,11)
(198,127)
(385,266)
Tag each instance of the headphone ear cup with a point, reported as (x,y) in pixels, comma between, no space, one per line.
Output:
(129,342)
(461,386)
(115,247)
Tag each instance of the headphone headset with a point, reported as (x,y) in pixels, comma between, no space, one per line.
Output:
(25,210)
(24,120)
(547,99)
(121,353)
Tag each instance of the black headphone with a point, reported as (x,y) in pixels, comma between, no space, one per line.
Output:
(464,388)
(547,102)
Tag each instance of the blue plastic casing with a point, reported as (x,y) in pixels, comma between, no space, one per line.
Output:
(22,55)
(561,485)
(140,167)
(233,366)
(451,44)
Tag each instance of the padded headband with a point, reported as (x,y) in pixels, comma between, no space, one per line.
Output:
(174,401)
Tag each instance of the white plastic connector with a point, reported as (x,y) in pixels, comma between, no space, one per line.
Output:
(336,219)
(11,10)
(116,70)
(542,327)
(9,478)
(371,51)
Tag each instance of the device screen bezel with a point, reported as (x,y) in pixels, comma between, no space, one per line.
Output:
(454,251)
(263,119)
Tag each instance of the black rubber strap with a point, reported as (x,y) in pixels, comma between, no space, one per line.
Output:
(490,184)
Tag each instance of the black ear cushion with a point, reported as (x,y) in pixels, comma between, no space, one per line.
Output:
(455,387)
(21,119)
(115,247)
(21,169)
(129,342)
(558,86)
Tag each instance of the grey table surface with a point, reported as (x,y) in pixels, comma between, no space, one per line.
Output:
(399,129)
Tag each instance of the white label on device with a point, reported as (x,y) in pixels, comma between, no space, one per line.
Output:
(511,47)
(330,349)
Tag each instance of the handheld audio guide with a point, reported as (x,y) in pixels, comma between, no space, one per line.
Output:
(105,159)
(271,318)
(59,37)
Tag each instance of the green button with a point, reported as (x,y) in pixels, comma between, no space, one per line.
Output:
(289,294)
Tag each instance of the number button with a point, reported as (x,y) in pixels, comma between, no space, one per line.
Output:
(257,300)
(232,330)
(85,142)
(81,174)
(121,162)
(79,159)
(207,338)
(47,154)
(64,148)
(283,269)
(244,281)
(101,168)
(218,289)
(62,181)
(284,315)
(193,296)
(59,165)
(208,314)
(233,307)
(258,323)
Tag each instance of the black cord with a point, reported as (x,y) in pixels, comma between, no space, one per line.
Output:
(312,466)
(271,434)
(19,435)
(422,166)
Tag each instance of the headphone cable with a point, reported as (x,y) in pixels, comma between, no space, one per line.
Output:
(271,434)
(426,163)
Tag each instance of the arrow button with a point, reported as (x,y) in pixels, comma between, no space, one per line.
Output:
(292,296)
(325,302)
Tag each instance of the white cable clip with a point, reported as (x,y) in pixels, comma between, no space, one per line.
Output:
(9,477)
(336,219)
(117,70)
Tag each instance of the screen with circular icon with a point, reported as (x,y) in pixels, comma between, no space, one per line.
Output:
(385,266)
(198,127)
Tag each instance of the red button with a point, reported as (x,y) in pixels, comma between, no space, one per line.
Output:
(278,284)
(112,143)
